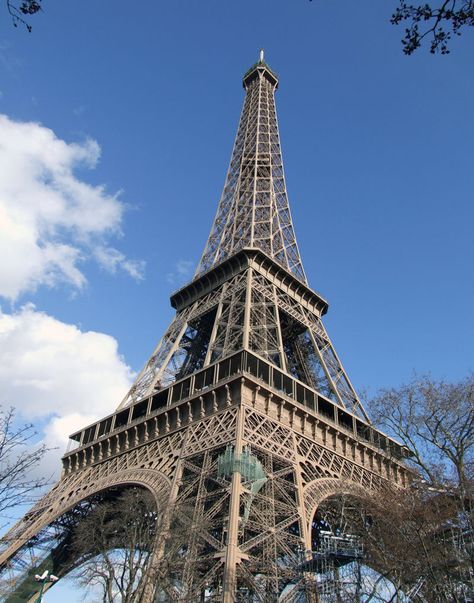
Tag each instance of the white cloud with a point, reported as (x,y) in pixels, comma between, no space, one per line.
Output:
(50,367)
(55,437)
(54,371)
(51,221)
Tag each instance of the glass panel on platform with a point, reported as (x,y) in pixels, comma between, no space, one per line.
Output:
(224,369)
(310,399)
(326,408)
(363,431)
(89,434)
(159,400)
(204,378)
(104,427)
(121,418)
(235,364)
(252,365)
(139,410)
(181,390)
(345,420)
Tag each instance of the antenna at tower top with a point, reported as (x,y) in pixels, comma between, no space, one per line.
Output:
(262,60)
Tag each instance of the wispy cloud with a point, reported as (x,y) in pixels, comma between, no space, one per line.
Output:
(79,110)
(112,259)
(8,61)
(182,271)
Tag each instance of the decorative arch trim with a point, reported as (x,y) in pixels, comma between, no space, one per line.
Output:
(320,489)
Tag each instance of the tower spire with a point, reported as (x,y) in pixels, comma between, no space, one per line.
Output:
(253,210)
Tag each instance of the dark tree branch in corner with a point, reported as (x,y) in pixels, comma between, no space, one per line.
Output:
(435,23)
(438,24)
(21,9)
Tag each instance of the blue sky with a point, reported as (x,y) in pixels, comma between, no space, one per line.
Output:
(378,157)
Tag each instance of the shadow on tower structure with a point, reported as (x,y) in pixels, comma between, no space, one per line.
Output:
(243,413)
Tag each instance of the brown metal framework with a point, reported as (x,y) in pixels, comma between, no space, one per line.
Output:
(245,374)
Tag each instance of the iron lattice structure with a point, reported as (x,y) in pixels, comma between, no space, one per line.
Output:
(243,412)
(253,210)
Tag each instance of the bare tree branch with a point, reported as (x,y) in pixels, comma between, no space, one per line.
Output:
(438,24)
(19,10)
(18,457)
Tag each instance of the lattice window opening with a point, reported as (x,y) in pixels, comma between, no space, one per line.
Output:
(262,220)
(302,360)
(262,199)
(230,331)
(190,355)
(263,336)
(269,548)
(155,363)
(259,530)
(209,497)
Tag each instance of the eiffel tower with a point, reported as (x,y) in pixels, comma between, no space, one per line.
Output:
(243,412)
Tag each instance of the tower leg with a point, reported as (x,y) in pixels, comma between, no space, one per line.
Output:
(232,554)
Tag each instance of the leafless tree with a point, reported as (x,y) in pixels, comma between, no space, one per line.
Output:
(431,525)
(18,457)
(114,546)
(419,541)
(435,421)
(408,546)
